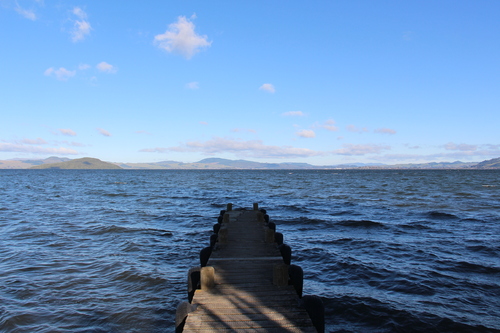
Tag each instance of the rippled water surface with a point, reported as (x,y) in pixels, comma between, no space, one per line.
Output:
(388,251)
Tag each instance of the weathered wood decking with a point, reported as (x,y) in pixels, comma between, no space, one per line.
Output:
(244,297)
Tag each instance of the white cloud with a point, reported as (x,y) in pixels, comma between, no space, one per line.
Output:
(103,132)
(181,38)
(268,87)
(460,147)
(329,125)
(61,74)
(350,149)
(29,14)
(192,85)
(352,128)
(252,148)
(203,123)
(293,113)
(306,134)
(34,149)
(83,67)
(385,131)
(38,141)
(106,68)
(81,27)
(67,131)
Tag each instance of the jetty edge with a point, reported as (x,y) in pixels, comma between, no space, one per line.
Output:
(246,281)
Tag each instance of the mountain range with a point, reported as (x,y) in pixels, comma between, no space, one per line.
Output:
(220,163)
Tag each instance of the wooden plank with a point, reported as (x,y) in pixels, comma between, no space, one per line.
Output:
(244,298)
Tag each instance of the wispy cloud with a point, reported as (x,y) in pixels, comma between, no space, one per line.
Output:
(67,131)
(62,74)
(240,130)
(180,38)
(385,131)
(106,68)
(81,26)
(351,149)
(352,128)
(192,85)
(35,149)
(26,13)
(268,87)
(251,148)
(329,125)
(84,67)
(38,141)
(306,134)
(460,147)
(293,113)
(103,132)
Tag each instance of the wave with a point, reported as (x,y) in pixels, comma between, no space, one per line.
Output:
(441,215)
(361,224)
(365,314)
(101,230)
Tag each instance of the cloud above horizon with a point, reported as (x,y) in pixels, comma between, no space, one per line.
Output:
(268,87)
(81,27)
(26,13)
(293,114)
(35,149)
(251,148)
(62,74)
(180,38)
(103,132)
(358,150)
(67,131)
(306,134)
(385,131)
(106,68)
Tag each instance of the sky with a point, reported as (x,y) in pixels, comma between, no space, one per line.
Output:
(318,82)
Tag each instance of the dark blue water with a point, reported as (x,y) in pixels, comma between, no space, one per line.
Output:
(388,251)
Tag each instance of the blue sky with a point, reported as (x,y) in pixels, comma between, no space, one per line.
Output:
(320,82)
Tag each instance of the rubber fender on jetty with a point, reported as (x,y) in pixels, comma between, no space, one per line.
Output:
(183,309)
(286,253)
(220,218)
(316,310)
(213,239)
(216,228)
(263,211)
(266,218)
(272,226)
(194,278)
(296,275)
(205,255)
(278,238)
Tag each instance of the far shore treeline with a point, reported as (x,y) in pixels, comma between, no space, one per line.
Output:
(219,163)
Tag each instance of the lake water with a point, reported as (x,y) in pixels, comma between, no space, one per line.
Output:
(388,251)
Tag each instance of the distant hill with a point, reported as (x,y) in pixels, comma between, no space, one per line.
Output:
(28,163)
(226,164)
(489,164)
(80,163)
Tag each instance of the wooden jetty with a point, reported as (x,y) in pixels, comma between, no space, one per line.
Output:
(245,282)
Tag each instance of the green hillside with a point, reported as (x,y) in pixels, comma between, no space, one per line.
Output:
(79,164)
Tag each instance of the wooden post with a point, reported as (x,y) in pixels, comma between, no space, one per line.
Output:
(280,275)
(269,235)
(208,278)
(229,207)
(255,206)
(223,233)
